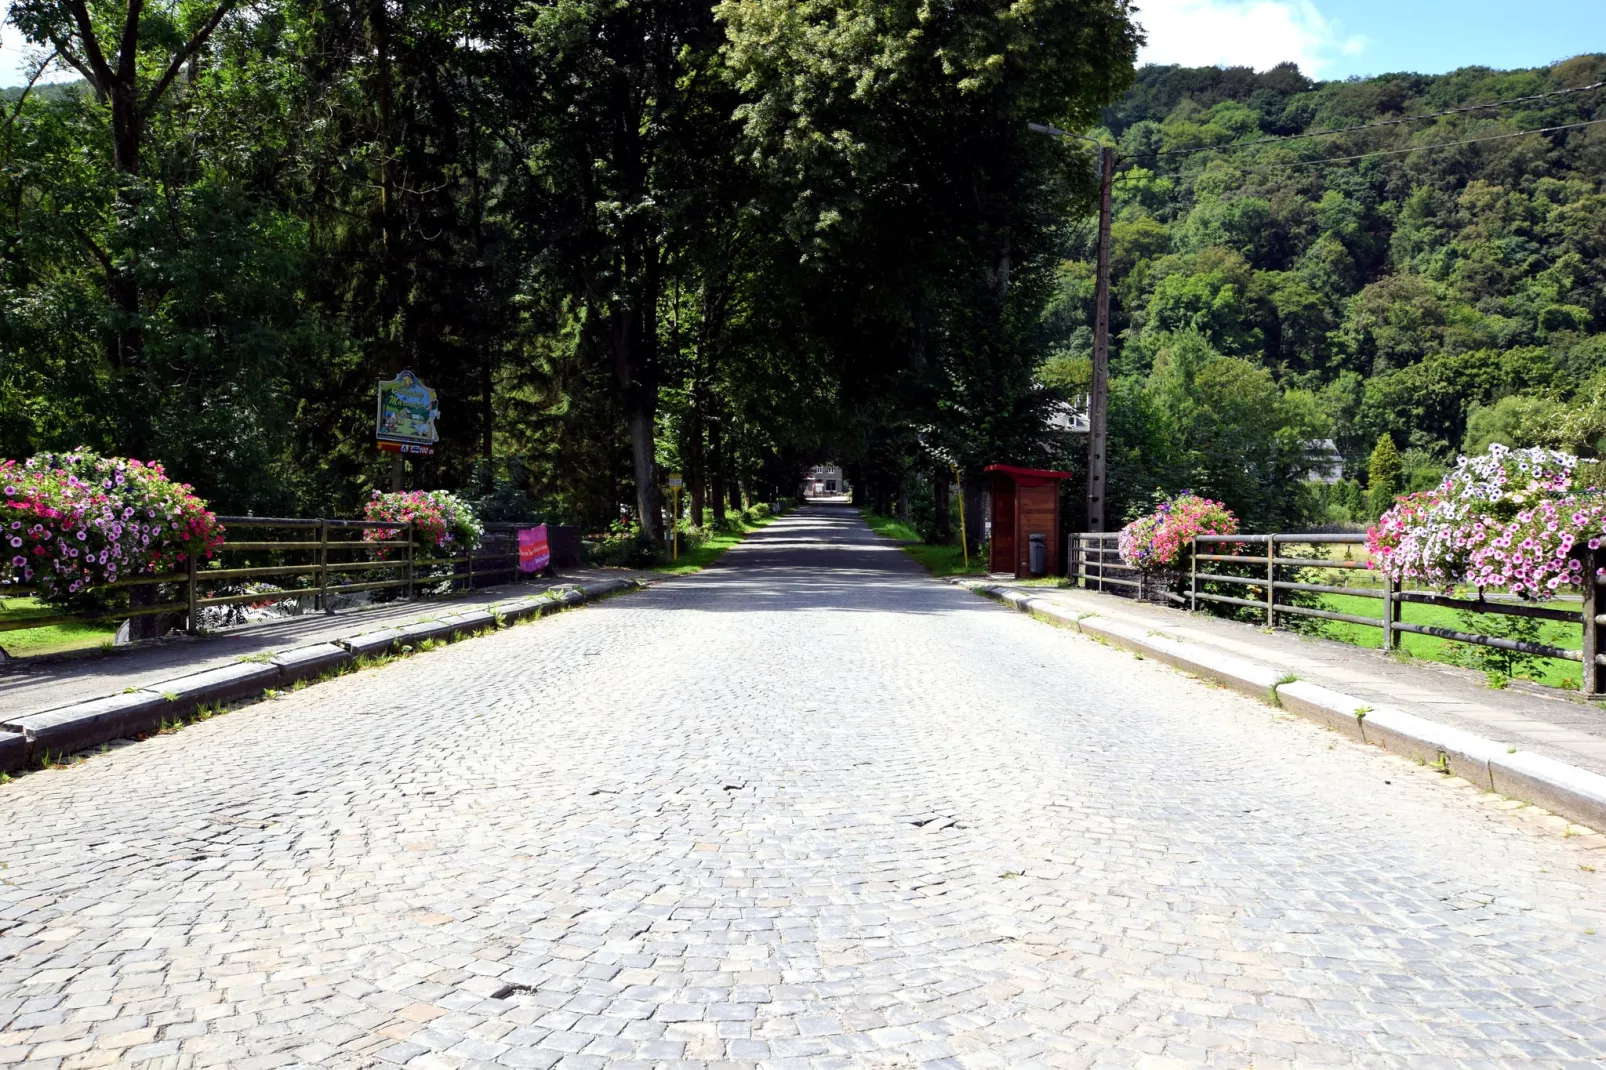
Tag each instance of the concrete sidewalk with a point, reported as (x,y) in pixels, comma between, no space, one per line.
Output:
(58,706)
(1552,748)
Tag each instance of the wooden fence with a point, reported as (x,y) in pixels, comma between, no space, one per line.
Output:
(1267,571)
(317,559)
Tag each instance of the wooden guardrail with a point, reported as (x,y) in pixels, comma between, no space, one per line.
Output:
(1265,564)
(318,559)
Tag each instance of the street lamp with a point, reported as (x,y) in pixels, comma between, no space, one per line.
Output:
(1099,397)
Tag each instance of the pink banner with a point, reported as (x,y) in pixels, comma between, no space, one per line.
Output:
(534,553)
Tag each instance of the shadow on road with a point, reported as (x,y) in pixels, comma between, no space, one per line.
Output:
(819,557)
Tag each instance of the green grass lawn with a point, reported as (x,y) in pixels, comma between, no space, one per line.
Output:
(707,548)
(52,639)
(946,560)
(1549,671)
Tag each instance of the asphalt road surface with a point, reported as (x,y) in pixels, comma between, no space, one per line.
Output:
(807,809)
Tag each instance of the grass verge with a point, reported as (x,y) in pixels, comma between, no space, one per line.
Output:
(53,638)
(706,549)
(1551,672)
(940,560)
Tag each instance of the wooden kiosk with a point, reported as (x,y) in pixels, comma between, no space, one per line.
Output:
(1026,502)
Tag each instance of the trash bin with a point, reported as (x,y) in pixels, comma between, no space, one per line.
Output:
(1039,554)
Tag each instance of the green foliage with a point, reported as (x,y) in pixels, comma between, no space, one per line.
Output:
(1384,473)
(1497,664)
(1448,298)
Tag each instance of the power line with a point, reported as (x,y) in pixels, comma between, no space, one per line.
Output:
(1444,144)
(1410,149)
(1403,120)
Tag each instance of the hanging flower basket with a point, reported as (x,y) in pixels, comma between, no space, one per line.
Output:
(77,521)
(1156,542)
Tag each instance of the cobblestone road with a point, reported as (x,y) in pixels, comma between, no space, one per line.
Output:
(808,810)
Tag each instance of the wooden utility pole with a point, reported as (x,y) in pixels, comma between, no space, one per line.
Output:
(1099,398)
(1098,402)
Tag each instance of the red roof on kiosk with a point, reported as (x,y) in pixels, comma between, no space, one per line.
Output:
(1029,475)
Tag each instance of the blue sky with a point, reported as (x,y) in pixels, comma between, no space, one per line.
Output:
(1340,38)
(1327,38)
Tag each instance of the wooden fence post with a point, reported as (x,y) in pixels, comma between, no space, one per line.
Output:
(193,621)
(323,566)
(1592,675)
(1193,574)
(1271,581)
(409,530)
(1391,638)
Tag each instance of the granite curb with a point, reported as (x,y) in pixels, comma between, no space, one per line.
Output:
(1493,765)
(53,732)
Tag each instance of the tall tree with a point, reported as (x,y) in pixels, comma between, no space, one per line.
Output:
(130,53)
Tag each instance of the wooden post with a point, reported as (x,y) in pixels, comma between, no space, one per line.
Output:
(1592,675)
(1099,394)
(409,530)
(1193,574)
(1391,638)
(964,534)
(1271,581)
(323,566)
(470,554)
(193,621)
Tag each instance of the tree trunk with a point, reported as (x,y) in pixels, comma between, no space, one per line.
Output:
(903,500)
(944,529)
(127,343)
(641,407)
(716,450)
(696,465)
(639,412)
(487,421)
(974,514)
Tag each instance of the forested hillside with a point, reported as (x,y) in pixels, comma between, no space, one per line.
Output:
(1271,290)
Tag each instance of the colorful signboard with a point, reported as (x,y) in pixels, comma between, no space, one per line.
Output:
(535,553)
(406,418)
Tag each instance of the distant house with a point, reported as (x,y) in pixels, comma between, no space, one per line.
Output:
(824,481)
(1324,463)
(1069,416)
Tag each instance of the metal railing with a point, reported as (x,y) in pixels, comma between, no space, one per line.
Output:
(320,558)
(1267,567)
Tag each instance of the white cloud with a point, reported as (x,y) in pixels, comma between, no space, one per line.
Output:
(1247,33)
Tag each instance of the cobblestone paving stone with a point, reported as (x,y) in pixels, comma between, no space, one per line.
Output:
(809,810)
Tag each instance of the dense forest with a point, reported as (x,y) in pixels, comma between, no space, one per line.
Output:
(618,237)
(1440,281)
(737,238)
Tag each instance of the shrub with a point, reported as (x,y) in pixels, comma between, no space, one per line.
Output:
(624,545)
(1156,541)
(1383,473)
(445,522)
(75,521)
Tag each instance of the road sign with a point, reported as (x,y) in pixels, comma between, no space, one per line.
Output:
(675,481)
(408,409)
